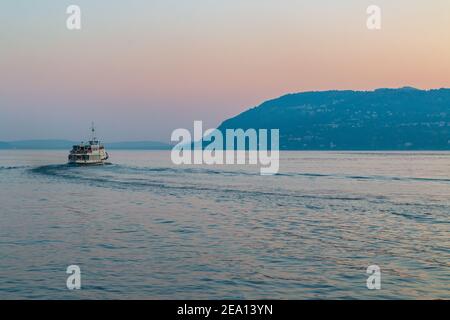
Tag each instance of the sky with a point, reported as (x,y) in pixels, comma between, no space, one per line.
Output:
(143,68)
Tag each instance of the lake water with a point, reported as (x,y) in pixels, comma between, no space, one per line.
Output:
(144,228)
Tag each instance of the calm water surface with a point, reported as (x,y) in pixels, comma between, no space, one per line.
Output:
(144,228)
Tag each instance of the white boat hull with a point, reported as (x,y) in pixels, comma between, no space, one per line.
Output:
(92,158)
(87,162)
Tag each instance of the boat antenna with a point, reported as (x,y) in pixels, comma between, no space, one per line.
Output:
(93,132)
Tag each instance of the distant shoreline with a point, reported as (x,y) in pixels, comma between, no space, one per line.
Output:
(282,150)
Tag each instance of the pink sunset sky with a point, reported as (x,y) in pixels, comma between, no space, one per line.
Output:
(141,69)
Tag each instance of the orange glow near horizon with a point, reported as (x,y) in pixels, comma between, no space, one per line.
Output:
(204,59)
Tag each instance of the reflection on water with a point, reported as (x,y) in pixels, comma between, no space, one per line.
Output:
(144,228)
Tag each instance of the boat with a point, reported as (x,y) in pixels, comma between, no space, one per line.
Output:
(91,153)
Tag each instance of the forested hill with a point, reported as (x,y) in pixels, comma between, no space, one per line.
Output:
(384,119)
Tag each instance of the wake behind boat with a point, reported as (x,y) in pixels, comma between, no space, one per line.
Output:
(91,153)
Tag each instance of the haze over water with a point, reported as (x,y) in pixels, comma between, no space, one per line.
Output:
(144,228)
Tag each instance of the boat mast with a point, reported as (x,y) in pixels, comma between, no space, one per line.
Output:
(93,138)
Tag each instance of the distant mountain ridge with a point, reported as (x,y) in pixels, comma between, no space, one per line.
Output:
(138,145)
(67,144)
(383,119)
(4,145)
